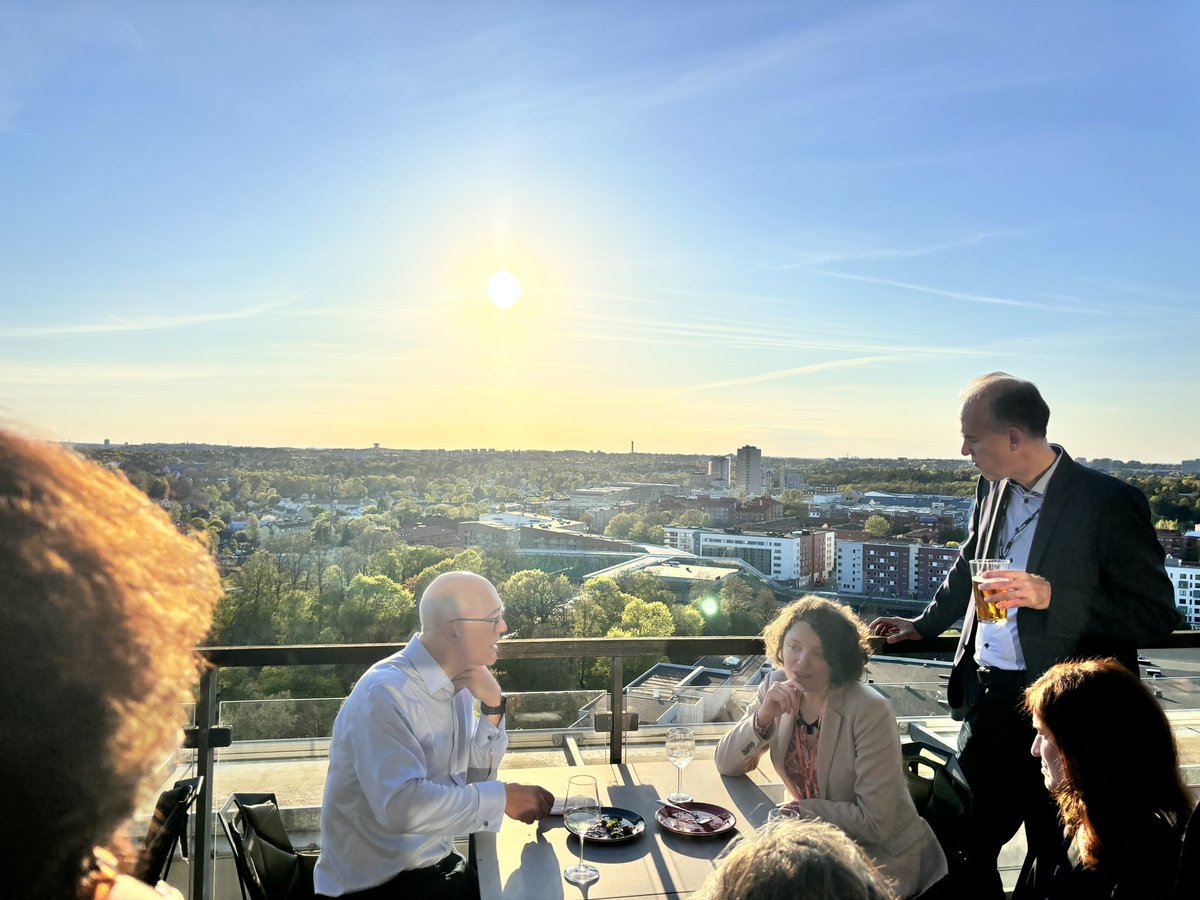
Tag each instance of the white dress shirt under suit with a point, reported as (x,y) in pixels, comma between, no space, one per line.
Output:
(410,766)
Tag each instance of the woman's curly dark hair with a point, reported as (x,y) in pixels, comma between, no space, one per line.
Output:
(844,637)
(102,601)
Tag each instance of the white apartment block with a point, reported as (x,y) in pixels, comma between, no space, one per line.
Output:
(1186,579)
(777,556)
(850,567)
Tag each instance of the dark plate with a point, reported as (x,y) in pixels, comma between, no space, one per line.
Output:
(627,817)
(679,822)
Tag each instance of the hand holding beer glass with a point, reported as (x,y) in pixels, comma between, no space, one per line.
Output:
(985,595)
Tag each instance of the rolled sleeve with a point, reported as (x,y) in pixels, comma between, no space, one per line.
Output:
(740,748)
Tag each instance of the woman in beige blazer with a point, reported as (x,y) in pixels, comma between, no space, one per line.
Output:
(834,742)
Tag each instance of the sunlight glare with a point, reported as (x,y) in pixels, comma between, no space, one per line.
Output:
(504,289)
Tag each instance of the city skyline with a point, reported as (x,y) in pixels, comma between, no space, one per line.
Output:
(802,229)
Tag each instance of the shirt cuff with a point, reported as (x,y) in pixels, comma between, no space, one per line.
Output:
(492,799)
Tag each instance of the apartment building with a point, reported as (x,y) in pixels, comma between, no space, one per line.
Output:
(800,558)
(747,471)
(1185,577)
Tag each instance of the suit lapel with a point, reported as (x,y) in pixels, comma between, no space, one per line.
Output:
(1053,504)
(831,727)
(989,521)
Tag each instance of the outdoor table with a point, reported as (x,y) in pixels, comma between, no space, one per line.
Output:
(527,861)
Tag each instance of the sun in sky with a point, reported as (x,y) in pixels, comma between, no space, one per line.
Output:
(504,289)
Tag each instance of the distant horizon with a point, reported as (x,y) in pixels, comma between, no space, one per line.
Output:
(798,226)
(958,461)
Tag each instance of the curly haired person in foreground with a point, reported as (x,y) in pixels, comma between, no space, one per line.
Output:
(101,604)
(796,860)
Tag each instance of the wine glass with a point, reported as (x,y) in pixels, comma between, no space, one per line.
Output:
(783,814)
(580,812)
(681,750)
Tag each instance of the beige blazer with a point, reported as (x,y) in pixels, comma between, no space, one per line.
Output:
(860,782)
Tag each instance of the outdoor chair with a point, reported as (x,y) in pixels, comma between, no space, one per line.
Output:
(940,792)
(1187,879)
(268,866)
(168,828)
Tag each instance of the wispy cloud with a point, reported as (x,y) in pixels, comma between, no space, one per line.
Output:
(139,323)
(810,259)
(91,376)
(791,373)
(618,298)
(728,333)
(969,297)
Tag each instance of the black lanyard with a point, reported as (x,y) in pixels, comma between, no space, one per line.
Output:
(1008,545)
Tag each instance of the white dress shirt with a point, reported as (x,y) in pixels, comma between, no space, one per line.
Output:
(997,644)
(410,766)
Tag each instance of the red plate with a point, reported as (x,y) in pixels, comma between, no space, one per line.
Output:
(681,823)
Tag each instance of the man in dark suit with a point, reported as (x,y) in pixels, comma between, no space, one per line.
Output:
(1086,579)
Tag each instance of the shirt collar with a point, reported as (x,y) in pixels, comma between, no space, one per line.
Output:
(437,683)
(1038,488)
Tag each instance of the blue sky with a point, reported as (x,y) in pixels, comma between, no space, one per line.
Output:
(798,225)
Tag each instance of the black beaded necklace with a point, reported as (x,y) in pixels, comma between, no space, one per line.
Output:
(809,727)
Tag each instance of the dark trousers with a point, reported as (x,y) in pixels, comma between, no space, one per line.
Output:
(453,878)
(1006,782)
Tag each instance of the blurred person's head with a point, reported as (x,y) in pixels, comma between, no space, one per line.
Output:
(813,639)
(101,604)
(796,860)
(1104,787)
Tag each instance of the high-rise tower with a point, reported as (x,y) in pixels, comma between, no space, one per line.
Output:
(747,471)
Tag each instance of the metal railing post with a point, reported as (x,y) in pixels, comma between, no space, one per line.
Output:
(202,845)
(617,706)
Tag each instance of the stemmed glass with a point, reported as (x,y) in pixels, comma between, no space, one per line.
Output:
(580,812)
(681,750)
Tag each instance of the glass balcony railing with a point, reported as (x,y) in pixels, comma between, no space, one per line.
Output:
(282,745)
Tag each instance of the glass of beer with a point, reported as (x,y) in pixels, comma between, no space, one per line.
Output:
(985,606)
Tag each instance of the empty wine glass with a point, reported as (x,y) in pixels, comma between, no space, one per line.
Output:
(580,812)
(681,750)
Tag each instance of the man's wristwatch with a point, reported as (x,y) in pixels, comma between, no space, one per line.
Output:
(494,710)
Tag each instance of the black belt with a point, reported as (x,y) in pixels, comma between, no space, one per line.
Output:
(446,865)
(1002,679)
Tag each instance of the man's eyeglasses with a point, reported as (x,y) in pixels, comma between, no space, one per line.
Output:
(494,621)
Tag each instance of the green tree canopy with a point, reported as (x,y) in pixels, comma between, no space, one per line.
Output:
(693,518)
(532,599)
(376,609)
(877,526)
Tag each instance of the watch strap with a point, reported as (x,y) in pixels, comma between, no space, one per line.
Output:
(494,710)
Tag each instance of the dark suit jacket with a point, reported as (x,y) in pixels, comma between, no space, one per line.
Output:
(1094,542)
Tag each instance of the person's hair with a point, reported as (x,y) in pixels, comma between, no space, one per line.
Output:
(845,639)
(790,860)
(1010,403)
(102,601)
(1102,806)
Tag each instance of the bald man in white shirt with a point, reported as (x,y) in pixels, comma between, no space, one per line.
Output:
(411,766)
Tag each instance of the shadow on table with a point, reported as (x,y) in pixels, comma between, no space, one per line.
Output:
(539,874)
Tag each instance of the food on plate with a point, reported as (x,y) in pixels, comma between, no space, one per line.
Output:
(611,828)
